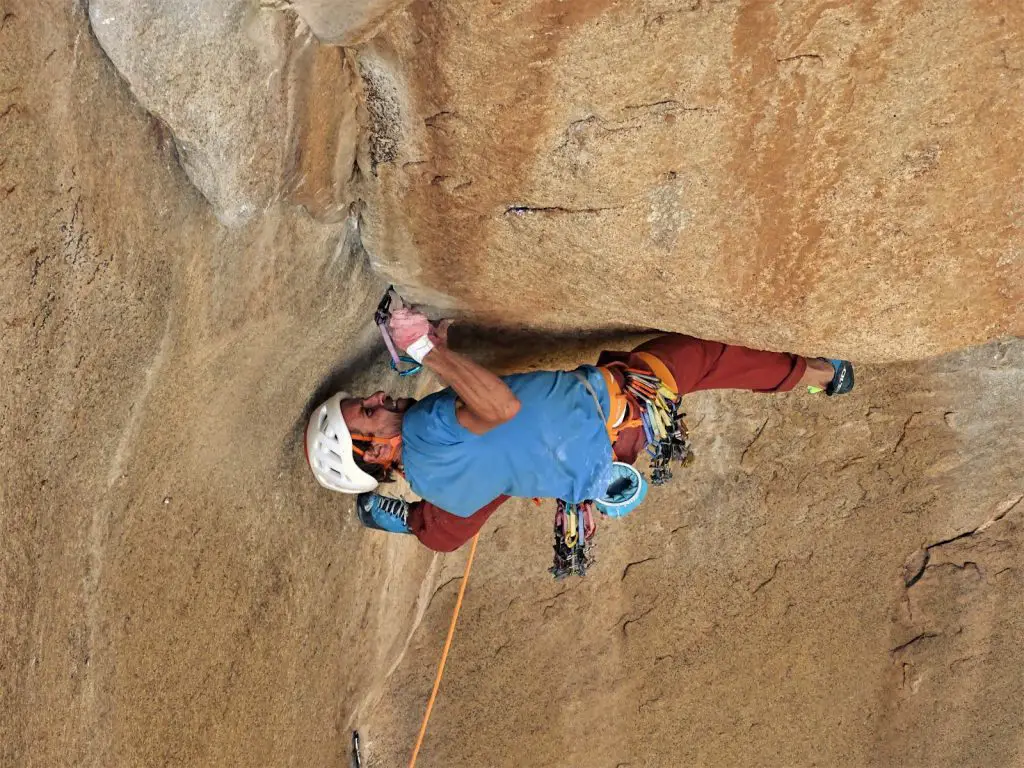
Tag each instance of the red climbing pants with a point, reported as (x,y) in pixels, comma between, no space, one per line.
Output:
(696,365)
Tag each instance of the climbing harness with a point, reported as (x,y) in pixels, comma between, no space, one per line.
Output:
(662,417)
(381,318)
(574,538)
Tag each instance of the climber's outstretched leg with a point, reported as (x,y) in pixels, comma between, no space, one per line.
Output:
(696,364)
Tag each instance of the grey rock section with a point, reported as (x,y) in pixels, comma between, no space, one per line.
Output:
(215,72)
(346,22)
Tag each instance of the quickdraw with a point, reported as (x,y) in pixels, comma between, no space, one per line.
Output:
(574,536)
(662,419)
(381,317)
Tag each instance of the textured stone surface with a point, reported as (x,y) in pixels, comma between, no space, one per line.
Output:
(215,73)
(757,611)
(174,590)
(346,22)
(834,582)
(805,176)
(726,169)
(256,108)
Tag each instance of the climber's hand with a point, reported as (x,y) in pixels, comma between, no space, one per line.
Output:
(408,326)
(439,332)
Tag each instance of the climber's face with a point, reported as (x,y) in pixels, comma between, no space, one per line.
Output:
(375,416)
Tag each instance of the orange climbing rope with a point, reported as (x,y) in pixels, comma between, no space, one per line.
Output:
(444,654)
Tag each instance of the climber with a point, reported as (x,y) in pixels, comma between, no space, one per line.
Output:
(544,434)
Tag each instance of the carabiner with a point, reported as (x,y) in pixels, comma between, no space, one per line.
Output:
(381,318)
(416,367)
(572,528)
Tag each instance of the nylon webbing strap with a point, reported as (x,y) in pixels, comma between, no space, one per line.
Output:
(597,401)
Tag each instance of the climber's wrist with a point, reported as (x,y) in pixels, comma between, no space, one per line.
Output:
(420,348)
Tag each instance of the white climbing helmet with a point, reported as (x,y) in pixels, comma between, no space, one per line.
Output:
(329,450)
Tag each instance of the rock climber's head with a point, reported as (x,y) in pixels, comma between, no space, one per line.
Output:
(352,443)
(375,423)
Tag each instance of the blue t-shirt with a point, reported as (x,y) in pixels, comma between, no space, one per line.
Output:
(555,447)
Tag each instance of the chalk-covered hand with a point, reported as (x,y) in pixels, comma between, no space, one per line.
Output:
(408,326)
(411,332)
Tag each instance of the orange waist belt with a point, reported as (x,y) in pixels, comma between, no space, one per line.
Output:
(619,410)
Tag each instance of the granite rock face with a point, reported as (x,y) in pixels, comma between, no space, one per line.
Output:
(831,582)
(196,231)
(151,551)
(215,73)
(257,109)
(346,22)
(822,178)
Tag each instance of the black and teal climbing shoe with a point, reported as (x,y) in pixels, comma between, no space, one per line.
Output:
(842,381)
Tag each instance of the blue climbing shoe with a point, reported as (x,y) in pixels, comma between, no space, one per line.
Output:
(383,513)
(842,381)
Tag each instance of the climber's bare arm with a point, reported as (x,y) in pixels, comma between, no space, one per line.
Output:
(485,400)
